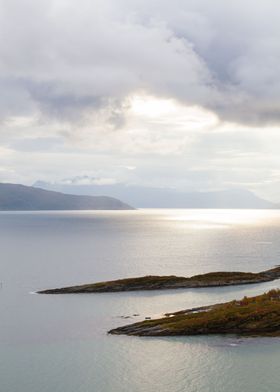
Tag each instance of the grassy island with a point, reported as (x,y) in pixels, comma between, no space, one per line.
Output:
(255,316)
(212,279)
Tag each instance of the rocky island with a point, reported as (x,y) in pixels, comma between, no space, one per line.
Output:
(255,316)
(212,279)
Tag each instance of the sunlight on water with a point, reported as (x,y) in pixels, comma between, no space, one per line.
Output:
(59,343)
(221,219)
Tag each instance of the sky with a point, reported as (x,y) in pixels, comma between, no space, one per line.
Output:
(181,94)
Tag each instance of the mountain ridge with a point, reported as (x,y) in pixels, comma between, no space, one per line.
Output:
(18,197)
(148,197)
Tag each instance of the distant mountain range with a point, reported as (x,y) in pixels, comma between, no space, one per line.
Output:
(145,197)
(15,197)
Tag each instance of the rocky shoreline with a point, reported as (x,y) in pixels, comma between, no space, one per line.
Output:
(255,316)
(212,279)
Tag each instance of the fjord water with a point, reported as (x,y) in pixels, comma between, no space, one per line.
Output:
(59,343)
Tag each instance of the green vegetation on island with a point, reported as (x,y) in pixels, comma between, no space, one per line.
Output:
(212,279)
(255,316)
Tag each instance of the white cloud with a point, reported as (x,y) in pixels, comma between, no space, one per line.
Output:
(183,94)
(87,180)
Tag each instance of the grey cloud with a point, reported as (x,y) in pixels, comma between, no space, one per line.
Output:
(238,43)
(69,59)
(60,104)
(14,99)
(64,58)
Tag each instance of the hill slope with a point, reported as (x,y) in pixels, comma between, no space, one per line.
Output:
(15,197)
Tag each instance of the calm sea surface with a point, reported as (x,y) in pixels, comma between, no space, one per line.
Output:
(59,343)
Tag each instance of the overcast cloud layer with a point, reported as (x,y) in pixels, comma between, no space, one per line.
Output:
(183,93)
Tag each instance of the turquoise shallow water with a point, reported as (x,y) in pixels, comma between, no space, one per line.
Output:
(59,343)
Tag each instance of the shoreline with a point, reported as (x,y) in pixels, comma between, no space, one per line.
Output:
(254,316)
(150,283)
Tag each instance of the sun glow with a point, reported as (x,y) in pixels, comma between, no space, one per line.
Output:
(172,111)
(209,219)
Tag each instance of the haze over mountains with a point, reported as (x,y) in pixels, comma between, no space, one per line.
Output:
(46,196)
(148,197)
(15,197)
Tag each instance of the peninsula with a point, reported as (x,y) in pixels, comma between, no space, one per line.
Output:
(212,279)
(17,197)
(255,316)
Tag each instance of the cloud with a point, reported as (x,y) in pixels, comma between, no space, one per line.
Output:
(64,59)
(186,93)
(87,180)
